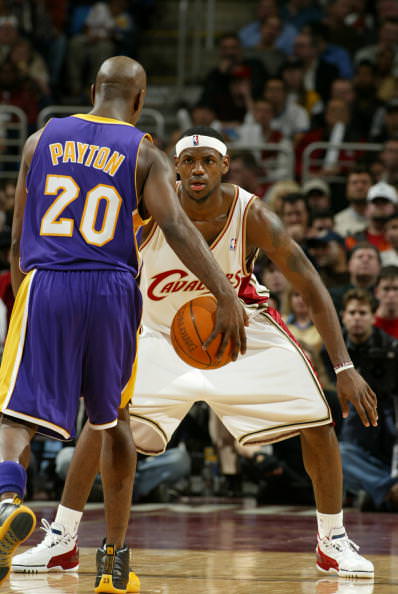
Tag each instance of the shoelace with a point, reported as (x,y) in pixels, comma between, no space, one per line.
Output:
(344,544)
(50,539)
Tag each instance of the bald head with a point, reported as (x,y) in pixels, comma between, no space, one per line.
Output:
(120,78)
(119,89)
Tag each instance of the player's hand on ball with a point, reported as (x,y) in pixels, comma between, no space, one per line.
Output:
(351,387)
(231,320)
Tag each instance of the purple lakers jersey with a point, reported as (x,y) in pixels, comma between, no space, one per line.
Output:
(81,207)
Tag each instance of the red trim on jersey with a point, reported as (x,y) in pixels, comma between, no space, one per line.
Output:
(247,292)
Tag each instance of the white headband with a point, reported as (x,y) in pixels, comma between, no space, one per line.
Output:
(198,140)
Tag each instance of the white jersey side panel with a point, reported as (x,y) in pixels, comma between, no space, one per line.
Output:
(166,283)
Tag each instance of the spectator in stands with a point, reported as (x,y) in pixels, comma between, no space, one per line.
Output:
(353,218)
(328,254)
(275,163)
(377,169)
(292,74)
(30,64)
(387,82)
(266,50)
(9,188)
(302,327)
(270,276)
(343,35)
(275,195)
(291,119)
(389,158)
(295,216)
(321,221)
(20,91)
(8,35)
(386,292)
(44,23)
(300,12)
(382,201)
(367,452)
(361,113)
(231,65)
(333,54)
(390,257)
(361,20)
(364,265)
(244,171)
(317,194)
(389,123)
(108,26)
(337,129)
(387,38)
(318,74)
(250,34)
(155,475)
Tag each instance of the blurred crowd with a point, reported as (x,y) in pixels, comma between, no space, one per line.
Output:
(302,72)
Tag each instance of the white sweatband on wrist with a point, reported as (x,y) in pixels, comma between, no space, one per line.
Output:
(339,368)
(199,140)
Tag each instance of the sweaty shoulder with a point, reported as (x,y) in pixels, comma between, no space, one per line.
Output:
(230,192)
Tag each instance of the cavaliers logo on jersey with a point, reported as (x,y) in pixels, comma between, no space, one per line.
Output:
(177,281)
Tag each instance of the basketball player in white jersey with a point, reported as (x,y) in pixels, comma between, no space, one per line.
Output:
(267,395)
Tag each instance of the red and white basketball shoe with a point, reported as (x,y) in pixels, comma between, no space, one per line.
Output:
(58,551)
(337,554)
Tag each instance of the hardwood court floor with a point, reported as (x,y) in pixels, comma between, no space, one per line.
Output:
(225,549)
(215,572)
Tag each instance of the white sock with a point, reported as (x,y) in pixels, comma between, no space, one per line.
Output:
(327,523)
(68,518)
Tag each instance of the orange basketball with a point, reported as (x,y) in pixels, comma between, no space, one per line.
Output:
(191,326)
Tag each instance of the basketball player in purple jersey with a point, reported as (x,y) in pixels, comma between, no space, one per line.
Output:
(86,183)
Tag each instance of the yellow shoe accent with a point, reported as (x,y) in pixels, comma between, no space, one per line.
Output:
(17,527)
(134,584)
(106,586)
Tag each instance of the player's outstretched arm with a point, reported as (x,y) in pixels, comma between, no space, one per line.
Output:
(161,202)
(17,275)
(266,231)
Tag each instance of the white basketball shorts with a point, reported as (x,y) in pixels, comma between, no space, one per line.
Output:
(267,395)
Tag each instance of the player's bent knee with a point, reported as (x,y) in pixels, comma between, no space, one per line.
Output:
(321,433)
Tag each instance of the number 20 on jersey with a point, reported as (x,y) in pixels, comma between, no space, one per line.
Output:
(66,191)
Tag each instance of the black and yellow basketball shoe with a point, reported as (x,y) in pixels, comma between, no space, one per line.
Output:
(113,571)
(17,522)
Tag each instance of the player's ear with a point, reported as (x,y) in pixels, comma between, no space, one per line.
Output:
(139,100)
(225,164)
(92,93)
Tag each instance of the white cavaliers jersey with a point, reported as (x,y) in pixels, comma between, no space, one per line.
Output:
(166,283)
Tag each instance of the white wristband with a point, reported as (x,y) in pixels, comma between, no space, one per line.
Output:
(339,368)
